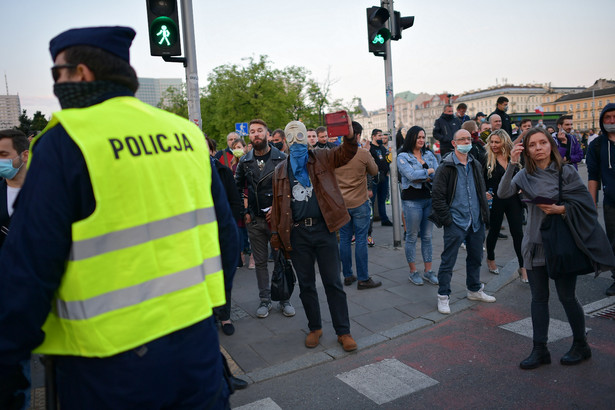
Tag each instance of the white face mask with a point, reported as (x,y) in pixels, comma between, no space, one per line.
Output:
(464,149)
(609,128)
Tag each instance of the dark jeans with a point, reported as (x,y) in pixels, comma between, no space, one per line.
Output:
(539,285)
(609,225)
(259,233)
(316,243)
(182,370)
(381,191)
(224,312)
(454,236)
(514,213)
(358,225)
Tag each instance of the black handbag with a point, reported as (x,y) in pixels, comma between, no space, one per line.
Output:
(283,278)
(562,255)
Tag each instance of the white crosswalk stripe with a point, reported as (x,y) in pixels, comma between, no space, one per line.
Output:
(264,404)
(557,329)
(386,381)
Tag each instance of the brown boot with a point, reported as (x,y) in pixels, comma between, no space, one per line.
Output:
(313,338)
(347,342)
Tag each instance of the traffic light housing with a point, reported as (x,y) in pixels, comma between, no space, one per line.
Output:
(399,24)
(378,32)
(163,23)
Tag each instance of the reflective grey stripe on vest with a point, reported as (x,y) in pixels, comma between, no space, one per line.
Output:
(117,299)
(137,235)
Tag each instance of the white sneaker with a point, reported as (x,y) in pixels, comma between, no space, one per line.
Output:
(443,305)
(480,295)
(287,309)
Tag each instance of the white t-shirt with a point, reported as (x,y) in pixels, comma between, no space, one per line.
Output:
(11,195)
(591,138)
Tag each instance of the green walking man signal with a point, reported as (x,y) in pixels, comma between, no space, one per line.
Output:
(163,21)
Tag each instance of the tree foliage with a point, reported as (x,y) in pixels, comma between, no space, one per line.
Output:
(238,93)
(29,125)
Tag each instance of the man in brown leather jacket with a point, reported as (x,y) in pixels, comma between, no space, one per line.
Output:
(307,209)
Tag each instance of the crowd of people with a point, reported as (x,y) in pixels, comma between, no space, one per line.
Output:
(115,260)
(291,179)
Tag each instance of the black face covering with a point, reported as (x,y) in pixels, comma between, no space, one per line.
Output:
(279,145)
(84,94)
(447,116)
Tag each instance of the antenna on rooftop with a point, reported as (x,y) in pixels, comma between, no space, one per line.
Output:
(7,83)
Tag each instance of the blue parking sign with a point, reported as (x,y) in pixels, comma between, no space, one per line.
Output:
(241,128)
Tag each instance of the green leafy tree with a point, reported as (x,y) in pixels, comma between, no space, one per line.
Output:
(25,123)
(39,122)
(238,93)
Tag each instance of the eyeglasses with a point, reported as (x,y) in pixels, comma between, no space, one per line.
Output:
(55,70)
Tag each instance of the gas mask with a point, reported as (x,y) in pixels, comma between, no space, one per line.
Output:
(296,133)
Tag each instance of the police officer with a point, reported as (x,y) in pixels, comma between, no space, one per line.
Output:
(114,265)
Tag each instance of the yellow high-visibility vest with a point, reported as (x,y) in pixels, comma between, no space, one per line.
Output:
(147,261)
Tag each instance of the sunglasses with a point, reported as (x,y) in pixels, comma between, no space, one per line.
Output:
(55,70)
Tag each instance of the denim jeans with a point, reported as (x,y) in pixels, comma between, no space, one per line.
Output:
(565,286)
(259,233)
(381,191)
(359,225)
(609,226)
(454,236)
(416,213)
(316,244)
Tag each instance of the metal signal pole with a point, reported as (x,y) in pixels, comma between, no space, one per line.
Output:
(192,76)
(388,75)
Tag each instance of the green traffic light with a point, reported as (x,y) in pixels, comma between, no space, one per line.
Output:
(378,39)
(164,31)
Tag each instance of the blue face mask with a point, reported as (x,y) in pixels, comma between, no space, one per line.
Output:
(6,168)
(464,149)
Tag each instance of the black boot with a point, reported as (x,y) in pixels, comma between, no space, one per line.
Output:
(578,352)
(540,355)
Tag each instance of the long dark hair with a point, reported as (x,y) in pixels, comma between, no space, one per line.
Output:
(410,141)
(530,164)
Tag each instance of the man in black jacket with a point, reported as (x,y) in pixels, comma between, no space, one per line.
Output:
(501,108)
(255,170)
(444,129)
(459,204)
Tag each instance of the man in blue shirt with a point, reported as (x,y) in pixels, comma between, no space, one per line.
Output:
(459,203)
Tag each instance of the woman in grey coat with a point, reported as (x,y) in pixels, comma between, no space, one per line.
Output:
(540,178)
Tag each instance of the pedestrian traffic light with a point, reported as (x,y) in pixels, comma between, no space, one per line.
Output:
(399,24)
(378,32)
(163,21)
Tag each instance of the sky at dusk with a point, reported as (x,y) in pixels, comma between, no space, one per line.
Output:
(454,46)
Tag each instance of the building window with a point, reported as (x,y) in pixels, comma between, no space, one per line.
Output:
(584,105)
(600,103)
(585,114)
(578,106)
(570,107)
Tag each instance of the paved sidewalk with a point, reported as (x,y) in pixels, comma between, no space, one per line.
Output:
(262,349)
(266,348)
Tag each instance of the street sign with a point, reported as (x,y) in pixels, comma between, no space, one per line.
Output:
(241,128)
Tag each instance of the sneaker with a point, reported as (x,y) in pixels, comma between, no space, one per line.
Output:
(463,246)
(287,309)
(480,295)
(387,223)
(443,305)
(431,277)
(349,280)
(611,290)
(368,284)
(502,236)
(353,240)
(263,309)
(251,265)
(415,278)
(370,242)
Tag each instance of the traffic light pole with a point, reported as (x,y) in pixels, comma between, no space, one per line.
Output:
(192,77)
(388,75)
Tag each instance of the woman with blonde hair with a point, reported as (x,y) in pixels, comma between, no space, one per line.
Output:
(499,146)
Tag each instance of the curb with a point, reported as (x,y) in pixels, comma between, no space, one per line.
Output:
(507,275)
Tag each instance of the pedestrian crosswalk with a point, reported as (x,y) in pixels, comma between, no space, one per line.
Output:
(264,404)
(386,380)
